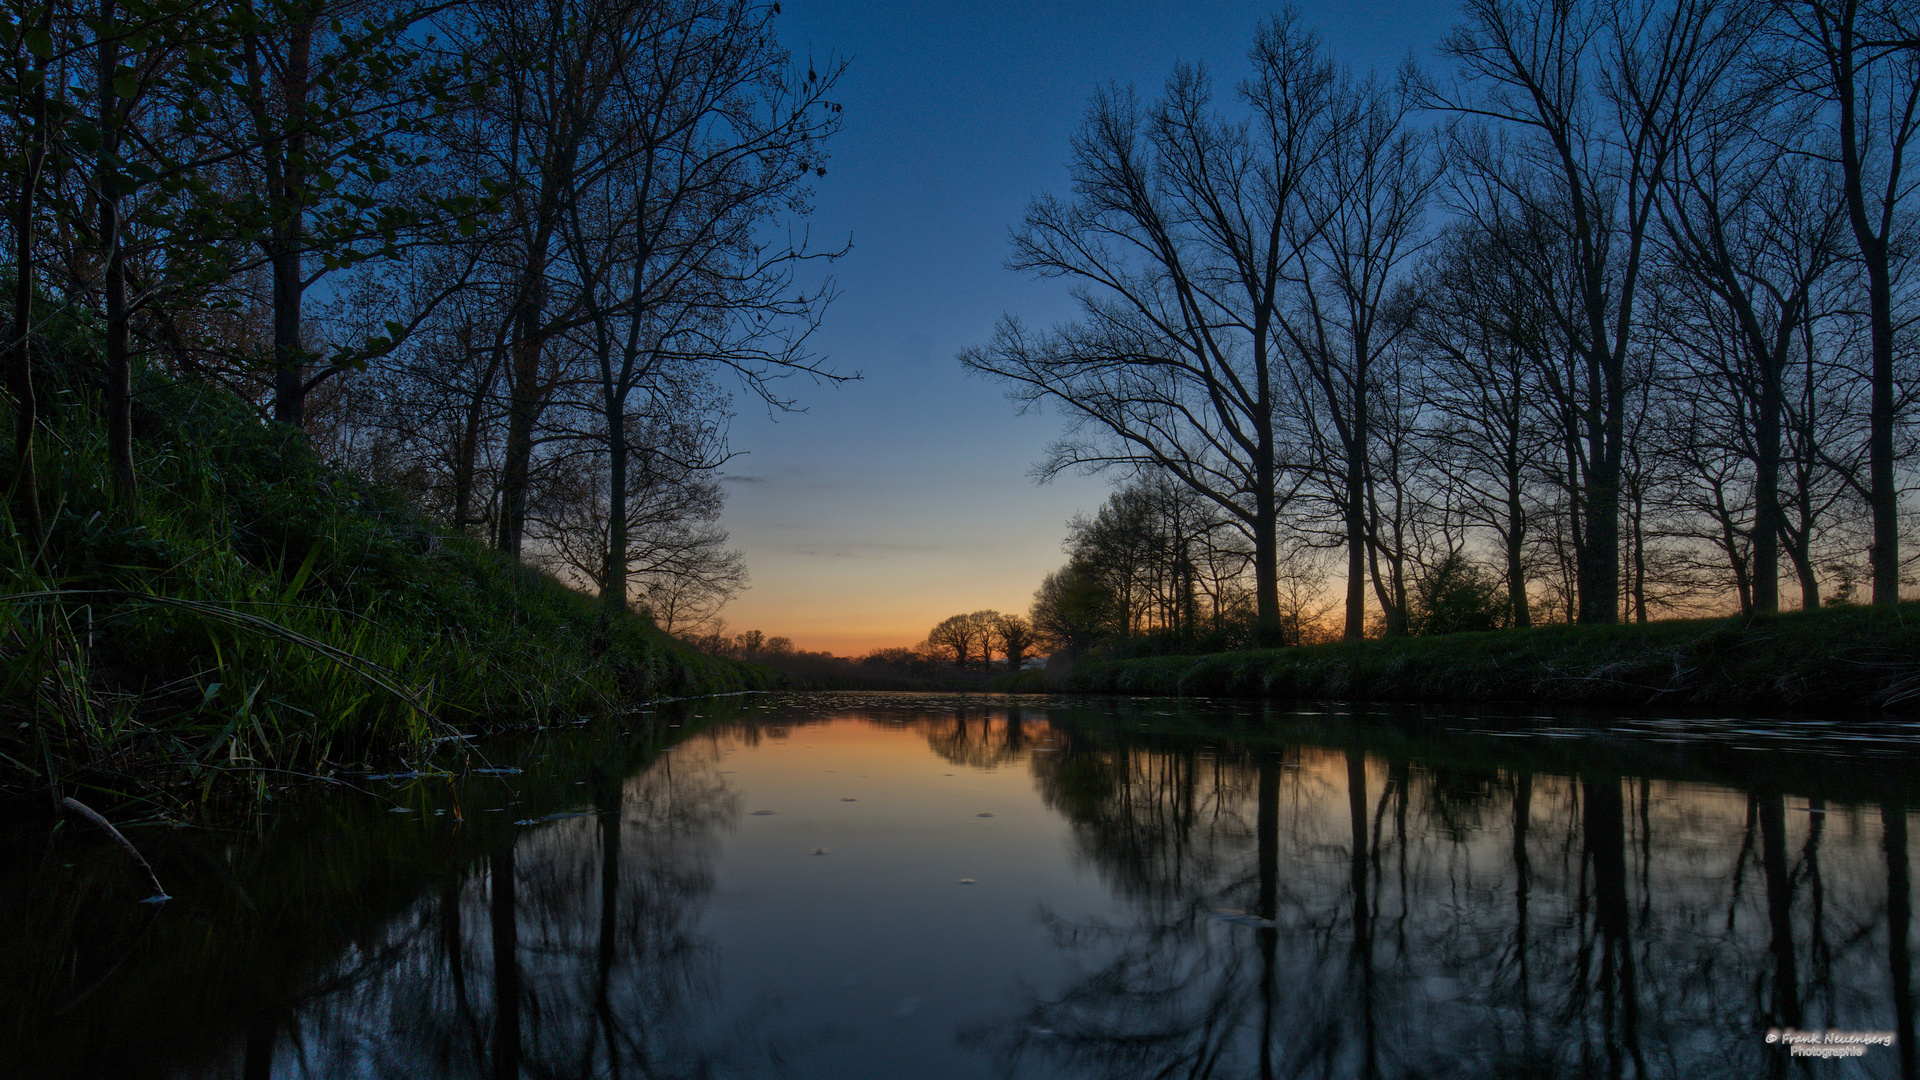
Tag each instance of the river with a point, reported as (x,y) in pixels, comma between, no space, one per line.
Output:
(926,886)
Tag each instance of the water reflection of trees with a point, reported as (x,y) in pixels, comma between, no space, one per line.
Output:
(1347,905)
(978,738)
(572,953)
(1315,912)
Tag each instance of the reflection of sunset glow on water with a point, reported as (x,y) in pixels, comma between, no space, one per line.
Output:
(900,885)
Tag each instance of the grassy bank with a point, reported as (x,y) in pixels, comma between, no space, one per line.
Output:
(1839,658)
(258,614)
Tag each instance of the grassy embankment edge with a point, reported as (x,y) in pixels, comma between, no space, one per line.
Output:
(1849,657)
(259,616)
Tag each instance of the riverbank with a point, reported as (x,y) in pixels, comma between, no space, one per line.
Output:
(1849,658)
(256,616)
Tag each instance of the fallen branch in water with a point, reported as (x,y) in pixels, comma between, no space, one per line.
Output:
(159,892)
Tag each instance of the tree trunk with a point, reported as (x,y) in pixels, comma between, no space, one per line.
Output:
(1356,500)
(1604,825)
(1357,875)
(1842,57)
(106,182)
(613,592)
(1522,884)
(1516,537)
(1599,555)
(608,793)
(1885,496)
(467,451)
(523,410)
(1809,579)
(32,77)
(1893,821)
(1768,519)
(1268,841)
(288,209)
(1773,861)
(1639,538)
(1266,539)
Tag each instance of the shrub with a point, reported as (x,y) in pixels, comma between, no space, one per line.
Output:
(1457,595)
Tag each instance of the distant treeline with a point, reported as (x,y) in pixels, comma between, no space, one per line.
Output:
(959,649)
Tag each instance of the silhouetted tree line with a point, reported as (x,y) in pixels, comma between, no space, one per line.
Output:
(511,257)
(885,668)
(1613,318)
(960,646)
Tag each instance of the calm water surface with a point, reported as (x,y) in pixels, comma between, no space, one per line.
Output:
(898,886)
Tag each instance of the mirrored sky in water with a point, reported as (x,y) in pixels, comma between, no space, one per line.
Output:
(809,888)
(902,499)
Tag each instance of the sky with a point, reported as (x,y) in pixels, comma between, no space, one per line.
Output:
(897,500)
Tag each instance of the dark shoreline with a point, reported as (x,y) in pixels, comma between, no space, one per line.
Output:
(1848,658)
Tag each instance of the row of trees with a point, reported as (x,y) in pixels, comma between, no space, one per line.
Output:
(504,254)
(1633,323)
(974,639)
(1158,567)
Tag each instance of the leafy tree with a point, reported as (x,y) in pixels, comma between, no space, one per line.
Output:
(1457,595)
(1015,637)
(958,636)
(1072,608)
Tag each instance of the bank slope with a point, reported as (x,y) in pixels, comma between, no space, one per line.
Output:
(259,613)
(1837,658)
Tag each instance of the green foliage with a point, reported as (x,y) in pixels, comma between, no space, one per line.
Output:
(1457,596)
(263,612)
(1073,607)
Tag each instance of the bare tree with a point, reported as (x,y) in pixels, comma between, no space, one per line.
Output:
(1857,61)
(1755,232)
(558,62)
(1572,111)
(1485,338)
(706,136)
(1185,231)
(1355,307)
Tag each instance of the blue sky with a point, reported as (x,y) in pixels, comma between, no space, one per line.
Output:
(895,501)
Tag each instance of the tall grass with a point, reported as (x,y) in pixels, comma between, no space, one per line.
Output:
(260,613)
